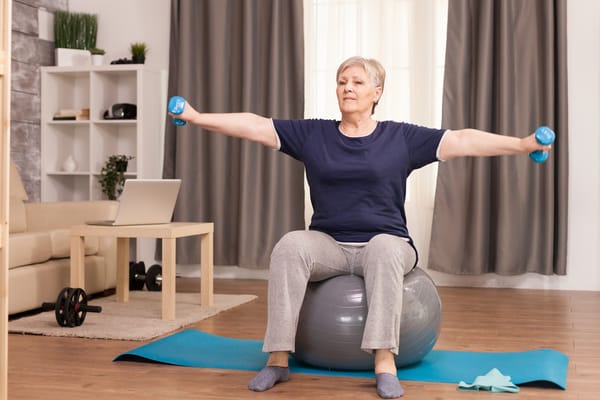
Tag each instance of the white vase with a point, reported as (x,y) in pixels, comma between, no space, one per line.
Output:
(97,59)
(71,57)
(69,165)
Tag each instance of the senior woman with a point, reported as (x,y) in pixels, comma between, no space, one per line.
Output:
(357,169)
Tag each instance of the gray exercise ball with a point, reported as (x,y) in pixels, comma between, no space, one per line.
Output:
(333,315)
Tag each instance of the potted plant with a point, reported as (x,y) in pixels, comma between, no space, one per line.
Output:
(138,52)
(112,175)
(74,34)
(97,55)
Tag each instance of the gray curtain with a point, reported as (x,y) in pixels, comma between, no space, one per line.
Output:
(236,56)
(506,72)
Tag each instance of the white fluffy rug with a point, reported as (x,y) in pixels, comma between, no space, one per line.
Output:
(138,319)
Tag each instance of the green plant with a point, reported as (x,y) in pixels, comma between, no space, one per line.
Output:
(112,175)
(97,51)
(75,30)
(138,49)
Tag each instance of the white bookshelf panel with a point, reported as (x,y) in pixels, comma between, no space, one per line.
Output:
(64,139)
(109,138)
(67,187)
(92,142)
(112,87)
(68,90)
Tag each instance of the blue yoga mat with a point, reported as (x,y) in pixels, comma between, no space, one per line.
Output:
(193,348)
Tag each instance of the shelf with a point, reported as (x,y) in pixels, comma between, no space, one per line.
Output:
(115,122)
(63,187)
(64,173)
(91,142)
(5,72)
(69,123)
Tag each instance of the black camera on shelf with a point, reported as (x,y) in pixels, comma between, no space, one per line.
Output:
(121,111)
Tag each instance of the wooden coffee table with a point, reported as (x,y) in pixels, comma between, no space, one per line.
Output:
(168,233)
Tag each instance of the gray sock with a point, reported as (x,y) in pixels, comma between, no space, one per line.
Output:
(388,386)
(268,377)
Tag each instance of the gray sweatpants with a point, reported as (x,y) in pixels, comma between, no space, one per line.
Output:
(303,256)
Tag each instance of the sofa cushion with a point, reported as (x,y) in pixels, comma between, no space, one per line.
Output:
(26,248)
(16,184)
(43,216)
(17,219)
(31,285)
(61,244)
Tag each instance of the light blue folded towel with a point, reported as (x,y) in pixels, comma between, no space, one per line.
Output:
(493,381)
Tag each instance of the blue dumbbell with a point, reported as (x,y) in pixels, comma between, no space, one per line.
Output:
(175,107)
(544,136)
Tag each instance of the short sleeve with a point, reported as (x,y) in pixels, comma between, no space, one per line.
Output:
(422,144)
(293,135)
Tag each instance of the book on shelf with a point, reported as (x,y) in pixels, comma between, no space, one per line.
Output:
(72,115)
(64,117)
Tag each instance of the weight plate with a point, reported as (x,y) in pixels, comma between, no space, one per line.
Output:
(154,278)
(137,275)
(78,303)
(61,309)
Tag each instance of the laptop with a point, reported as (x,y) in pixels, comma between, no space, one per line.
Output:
(145,201)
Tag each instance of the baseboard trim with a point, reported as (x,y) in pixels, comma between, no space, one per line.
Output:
(223,272)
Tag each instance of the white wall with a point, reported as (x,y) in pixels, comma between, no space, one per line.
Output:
(122,22)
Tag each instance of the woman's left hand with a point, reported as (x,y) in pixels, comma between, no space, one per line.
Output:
(530,144)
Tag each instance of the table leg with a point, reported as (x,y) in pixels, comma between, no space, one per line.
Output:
(123,269)
(168,278)
(77,262)
(206,269)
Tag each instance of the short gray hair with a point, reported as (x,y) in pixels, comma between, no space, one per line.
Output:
(372,67)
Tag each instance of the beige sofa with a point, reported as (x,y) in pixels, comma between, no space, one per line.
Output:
(39,248)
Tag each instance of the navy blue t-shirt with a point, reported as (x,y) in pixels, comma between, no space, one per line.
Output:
(358,185)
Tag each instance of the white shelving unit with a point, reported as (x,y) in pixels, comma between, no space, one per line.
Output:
(91,142)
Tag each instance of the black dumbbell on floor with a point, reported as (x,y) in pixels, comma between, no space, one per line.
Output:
(138,277)
(154,278)
(71,307)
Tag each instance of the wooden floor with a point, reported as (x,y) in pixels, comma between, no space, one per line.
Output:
(473,319)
